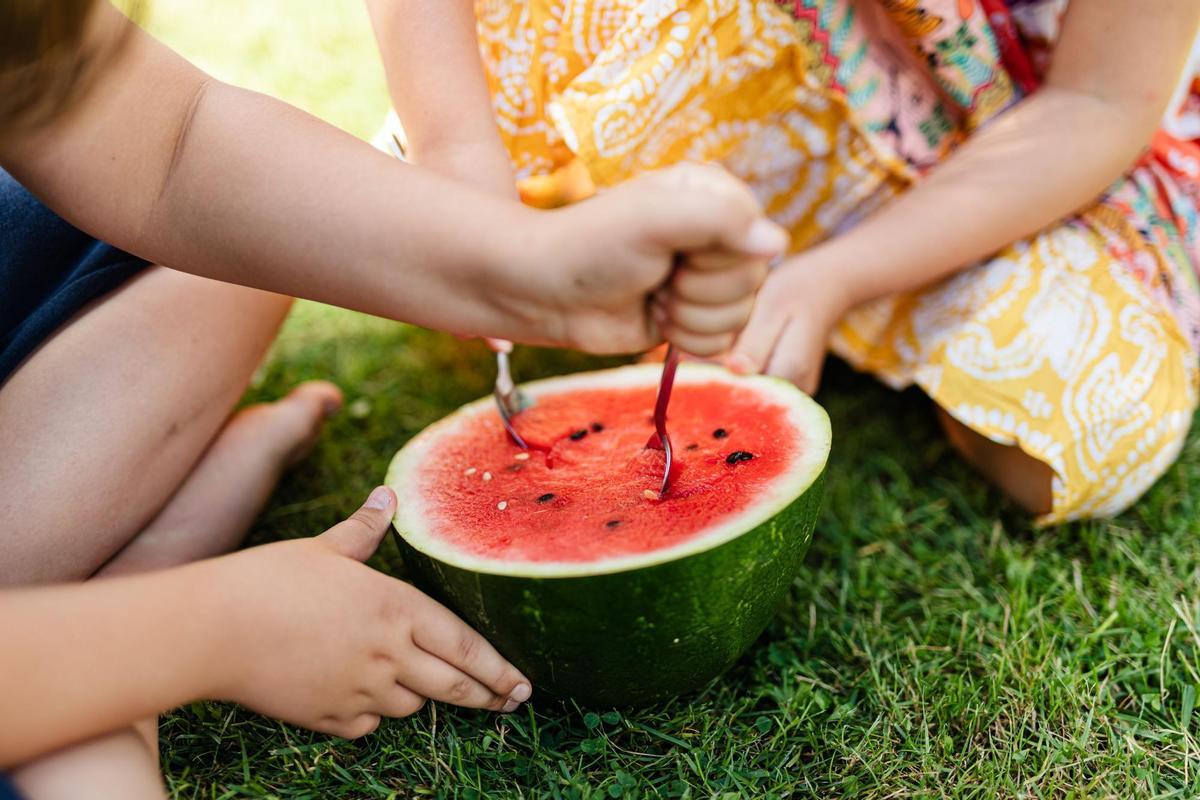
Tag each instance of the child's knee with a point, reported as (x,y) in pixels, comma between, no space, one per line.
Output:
(1023,478)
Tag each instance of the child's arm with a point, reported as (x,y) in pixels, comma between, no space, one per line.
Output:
(431,55)
(163,161)
(300,630)
(160,159)
(1114,68)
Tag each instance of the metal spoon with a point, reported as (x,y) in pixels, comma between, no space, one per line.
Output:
(509,399)
(661,439)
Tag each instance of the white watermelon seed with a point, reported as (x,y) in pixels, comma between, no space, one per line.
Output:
(503,504)
(470,471)
(487,476)
(522,456)
(650,494)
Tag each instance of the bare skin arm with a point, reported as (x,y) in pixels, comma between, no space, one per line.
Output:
(1114,69)
(165,162)
(72,670)
(431,55)
(299,630)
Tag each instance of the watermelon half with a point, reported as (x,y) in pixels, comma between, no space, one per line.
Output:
(566,559)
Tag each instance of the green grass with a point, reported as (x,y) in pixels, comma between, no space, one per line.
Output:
(934,645)
(317,55)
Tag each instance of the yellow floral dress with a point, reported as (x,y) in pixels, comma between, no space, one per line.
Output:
(1078,344)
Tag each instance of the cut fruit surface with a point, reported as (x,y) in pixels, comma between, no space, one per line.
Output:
(566,557)
(584,497)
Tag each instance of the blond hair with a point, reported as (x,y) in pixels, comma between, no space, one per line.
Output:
(47,58)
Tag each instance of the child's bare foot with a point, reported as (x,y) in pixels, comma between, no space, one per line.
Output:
(217,503)
(286,429)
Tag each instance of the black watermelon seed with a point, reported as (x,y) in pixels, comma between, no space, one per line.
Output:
(693,446)
(514,468)
(597,427)
(720,433)
(738,455)
(579,434)
(612,523)
(546,498)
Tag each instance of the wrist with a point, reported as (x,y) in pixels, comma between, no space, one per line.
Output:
(221,634)
(847,275)
(820,281)
(518,284)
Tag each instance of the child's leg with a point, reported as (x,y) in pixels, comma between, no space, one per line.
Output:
(167,357)
(216,504)
(1058,373)
(223,495)
(1013,471)
(105,421)
(119,766)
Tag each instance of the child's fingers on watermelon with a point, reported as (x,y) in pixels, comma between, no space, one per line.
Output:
(440,633)
(400,701)
(358,727)
(359,536)
(798,357)
(755,343)
(432,677)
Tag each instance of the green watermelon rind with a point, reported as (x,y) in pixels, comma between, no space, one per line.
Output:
(647,628)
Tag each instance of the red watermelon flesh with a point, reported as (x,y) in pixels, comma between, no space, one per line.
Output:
(588,487)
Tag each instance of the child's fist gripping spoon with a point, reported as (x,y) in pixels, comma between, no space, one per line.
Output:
(705,235)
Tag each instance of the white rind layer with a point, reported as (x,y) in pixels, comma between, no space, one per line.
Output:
(805,414)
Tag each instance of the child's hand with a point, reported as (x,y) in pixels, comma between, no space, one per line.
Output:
(323,641)
(693,236)
(788,333)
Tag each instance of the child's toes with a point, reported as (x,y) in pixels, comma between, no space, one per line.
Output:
(288,428)
(297,419)
(325,395)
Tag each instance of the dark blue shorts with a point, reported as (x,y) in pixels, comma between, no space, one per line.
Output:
(49,270)
(7,790)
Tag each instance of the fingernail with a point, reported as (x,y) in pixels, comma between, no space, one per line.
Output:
(331,406)
(766,238)
(380,499)
(510,706)
(521,693)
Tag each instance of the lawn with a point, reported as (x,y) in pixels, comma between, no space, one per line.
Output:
(934,645)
